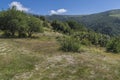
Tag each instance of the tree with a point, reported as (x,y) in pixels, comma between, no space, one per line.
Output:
(76,26)
(22,28)
(34,25)
(11,19)
(14,21)
(42,18)
(60,26)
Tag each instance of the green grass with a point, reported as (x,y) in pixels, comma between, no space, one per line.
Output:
(41,59)
(13,60)
(14,65)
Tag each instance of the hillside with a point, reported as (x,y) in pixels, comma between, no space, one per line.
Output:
(32,48)
(105,22)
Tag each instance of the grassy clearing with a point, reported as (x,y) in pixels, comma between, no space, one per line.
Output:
(40,59)
(14,60)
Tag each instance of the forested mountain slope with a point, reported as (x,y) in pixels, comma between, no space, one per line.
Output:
(105,22)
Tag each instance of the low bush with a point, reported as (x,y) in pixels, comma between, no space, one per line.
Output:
(114,45)
(69,44)
(86,42)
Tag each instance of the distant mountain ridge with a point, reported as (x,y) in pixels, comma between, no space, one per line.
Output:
(107,22)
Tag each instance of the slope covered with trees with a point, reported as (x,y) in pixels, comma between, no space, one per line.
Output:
(106,22)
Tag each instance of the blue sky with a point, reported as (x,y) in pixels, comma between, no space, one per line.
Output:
(70,7)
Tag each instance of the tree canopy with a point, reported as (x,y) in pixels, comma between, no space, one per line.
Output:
(13,21)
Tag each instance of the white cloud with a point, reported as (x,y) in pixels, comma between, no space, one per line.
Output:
(19,6)
(59,11)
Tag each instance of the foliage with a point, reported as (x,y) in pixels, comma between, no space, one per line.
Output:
(40,17)
(46,24)
(14,22)
(69,44)
(60,27)
(34,25)
(88,38)
(76,26)
(106,22)
(85,42)
(114,45)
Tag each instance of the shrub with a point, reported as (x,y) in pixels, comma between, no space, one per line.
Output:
(114,45)
(86,42)
(69,44)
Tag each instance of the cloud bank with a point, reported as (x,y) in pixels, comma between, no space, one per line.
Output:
(19,6)
(59,11)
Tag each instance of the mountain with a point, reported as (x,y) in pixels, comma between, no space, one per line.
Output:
(105,22)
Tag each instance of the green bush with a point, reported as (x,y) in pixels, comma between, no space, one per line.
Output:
(114,45)
(92,38)
(86,42)
(61,27)
(69,44)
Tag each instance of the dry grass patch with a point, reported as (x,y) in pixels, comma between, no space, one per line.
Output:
(40,59)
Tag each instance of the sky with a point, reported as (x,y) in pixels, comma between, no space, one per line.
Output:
(62,7)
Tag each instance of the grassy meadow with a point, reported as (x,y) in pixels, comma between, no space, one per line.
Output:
(40,59)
